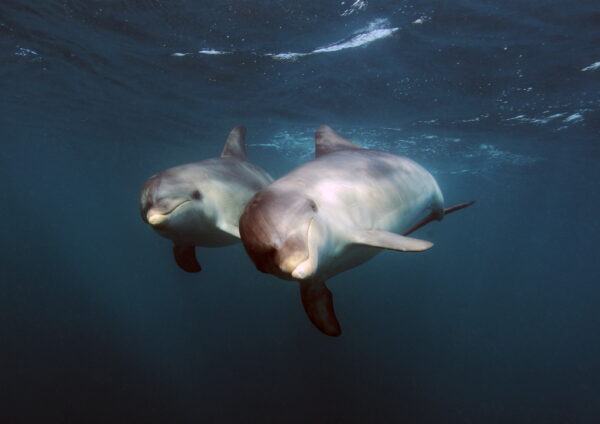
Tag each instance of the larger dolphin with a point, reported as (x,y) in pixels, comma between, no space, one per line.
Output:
(336,212)
(199,204)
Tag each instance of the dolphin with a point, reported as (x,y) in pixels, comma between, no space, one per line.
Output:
(336,212)
(199,204)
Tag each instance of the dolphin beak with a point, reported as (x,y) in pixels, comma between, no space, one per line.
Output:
(303,264)
(156,218)
(305,270)
(290,263)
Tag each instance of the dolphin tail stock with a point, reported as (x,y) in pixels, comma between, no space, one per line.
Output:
(318,304)
(458,207)
(436,216)
(185,256)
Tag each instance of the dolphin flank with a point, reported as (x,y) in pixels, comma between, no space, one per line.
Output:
(199,204)
(336,212)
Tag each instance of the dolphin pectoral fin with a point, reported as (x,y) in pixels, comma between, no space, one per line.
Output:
(437,216)
(185,256)
(391,241)
(229,229)
(318,304)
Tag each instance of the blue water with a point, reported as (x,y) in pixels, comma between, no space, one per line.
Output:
(498,323)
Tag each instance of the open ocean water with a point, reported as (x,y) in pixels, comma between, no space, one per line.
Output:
(498,323)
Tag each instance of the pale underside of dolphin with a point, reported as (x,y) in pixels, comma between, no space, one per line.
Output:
(199,204)
(336,212)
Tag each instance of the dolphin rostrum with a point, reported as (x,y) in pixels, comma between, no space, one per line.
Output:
(199,204)
(336,212)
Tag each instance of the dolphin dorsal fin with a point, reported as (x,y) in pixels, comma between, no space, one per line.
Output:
(327,141)
(235,146)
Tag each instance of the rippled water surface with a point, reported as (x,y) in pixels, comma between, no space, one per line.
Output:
(497,323)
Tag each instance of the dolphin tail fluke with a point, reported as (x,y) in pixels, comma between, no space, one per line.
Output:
(436,216)
(318,304)
(185,256)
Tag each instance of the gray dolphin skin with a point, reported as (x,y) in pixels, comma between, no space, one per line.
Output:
(336,212)
(199,204)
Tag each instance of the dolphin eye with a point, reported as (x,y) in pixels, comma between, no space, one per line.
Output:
(313,205)
(196,195)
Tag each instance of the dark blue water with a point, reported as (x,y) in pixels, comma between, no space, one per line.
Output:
(498,323)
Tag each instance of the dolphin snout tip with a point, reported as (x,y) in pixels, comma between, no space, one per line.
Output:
(304,271)
(290,264)
(156,219)
(287,267)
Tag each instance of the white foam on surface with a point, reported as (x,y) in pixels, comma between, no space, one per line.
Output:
(421,20)
(286,56)
(358,40)
(212,52)
(592,67)
(576,117)
(25,52)
(376,30)
(358,5)
(542,120)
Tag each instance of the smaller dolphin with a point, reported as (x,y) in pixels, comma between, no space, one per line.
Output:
(199,204)
(336,212)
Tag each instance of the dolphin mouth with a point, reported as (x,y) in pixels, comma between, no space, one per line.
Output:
(307,267)
(157,218)
(304,270)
